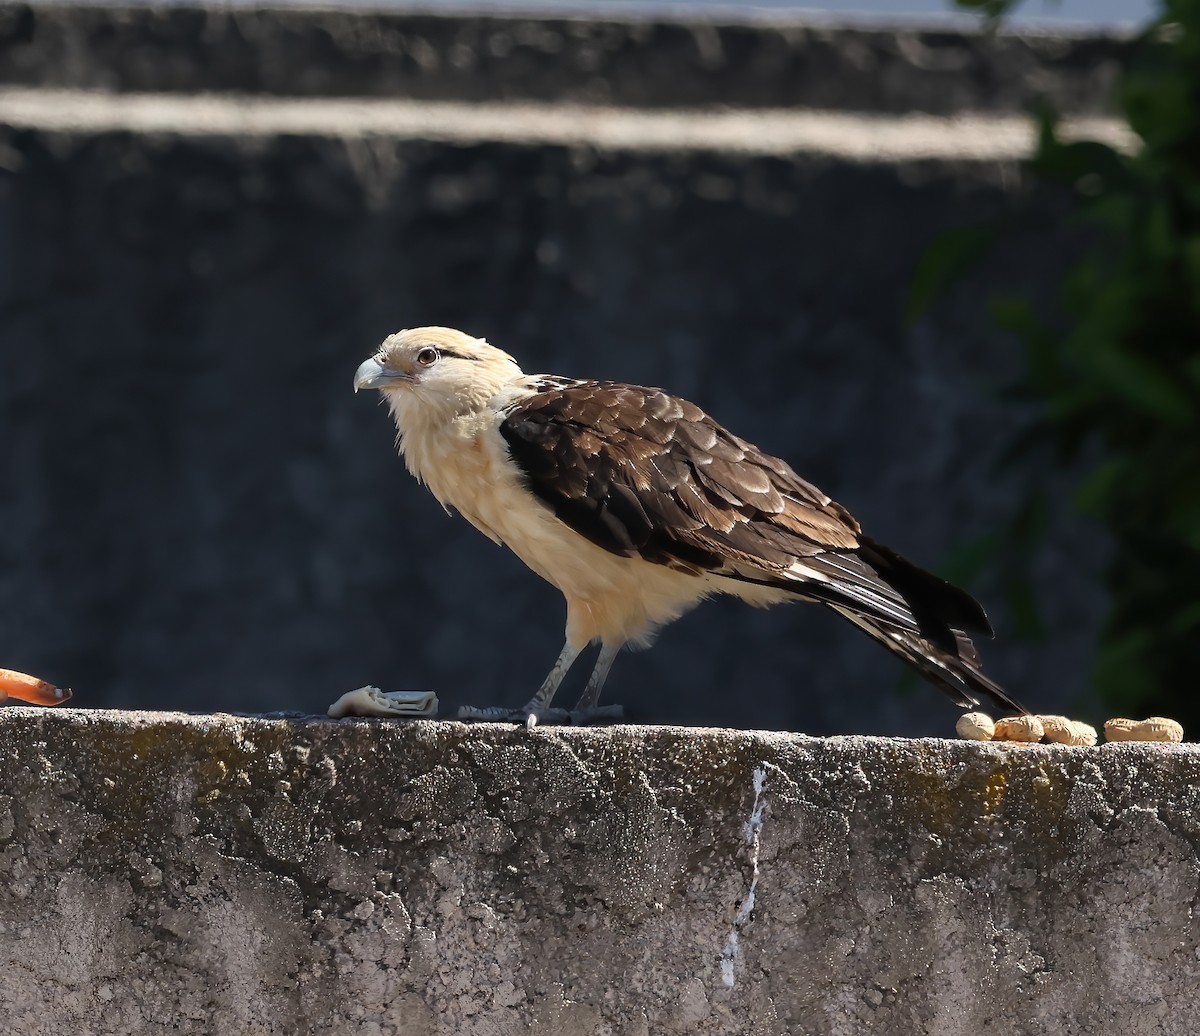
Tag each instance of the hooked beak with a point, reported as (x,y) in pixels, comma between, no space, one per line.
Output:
(371,374)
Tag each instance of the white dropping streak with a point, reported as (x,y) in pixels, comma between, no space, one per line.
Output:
(751,831)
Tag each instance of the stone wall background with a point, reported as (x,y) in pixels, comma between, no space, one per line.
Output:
(197,513)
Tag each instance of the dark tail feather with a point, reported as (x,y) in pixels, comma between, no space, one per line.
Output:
(941,609)
(955,674)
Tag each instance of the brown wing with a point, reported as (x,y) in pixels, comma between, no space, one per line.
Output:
(643,473)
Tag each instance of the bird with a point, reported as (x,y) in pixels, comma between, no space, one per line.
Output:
(637,505)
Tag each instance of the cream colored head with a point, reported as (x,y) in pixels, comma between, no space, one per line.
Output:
(433,374)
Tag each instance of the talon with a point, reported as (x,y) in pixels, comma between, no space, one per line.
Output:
(598,714)
(524,717)
(490,714)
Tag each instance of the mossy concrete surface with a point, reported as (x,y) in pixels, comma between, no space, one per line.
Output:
(223,874)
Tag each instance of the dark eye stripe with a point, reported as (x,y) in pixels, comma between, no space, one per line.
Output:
(456,355)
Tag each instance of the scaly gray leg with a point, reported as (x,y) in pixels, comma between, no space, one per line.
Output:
(538,705)
(586,708)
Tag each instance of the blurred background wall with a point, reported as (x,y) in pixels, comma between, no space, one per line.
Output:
(195,510)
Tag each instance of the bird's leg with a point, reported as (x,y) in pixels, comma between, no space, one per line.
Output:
(586,710)
(538,705)
(540,702)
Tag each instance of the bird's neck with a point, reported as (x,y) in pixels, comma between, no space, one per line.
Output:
(441,446)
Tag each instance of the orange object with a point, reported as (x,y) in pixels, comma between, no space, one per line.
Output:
(29,688)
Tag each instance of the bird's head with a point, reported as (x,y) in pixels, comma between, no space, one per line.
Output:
(435,373)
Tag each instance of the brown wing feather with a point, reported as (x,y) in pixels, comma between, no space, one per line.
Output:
(637,471)
(642,473)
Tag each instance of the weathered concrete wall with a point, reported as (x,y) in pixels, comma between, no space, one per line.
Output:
(191,497)
(163,873)
(636,61)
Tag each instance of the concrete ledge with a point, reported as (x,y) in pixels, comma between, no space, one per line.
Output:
(170,873)
(838,135)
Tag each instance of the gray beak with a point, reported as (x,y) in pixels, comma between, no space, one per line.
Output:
(372,375)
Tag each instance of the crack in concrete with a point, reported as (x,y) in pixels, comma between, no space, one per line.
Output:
(752,833)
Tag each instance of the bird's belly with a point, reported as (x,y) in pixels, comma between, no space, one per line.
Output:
(552,549)
(493,500)
(609,597)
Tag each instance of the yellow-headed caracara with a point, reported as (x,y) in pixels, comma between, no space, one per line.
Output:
(637,505)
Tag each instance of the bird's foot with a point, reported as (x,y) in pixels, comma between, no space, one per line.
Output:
(491,714)
(531,717)
(597,714)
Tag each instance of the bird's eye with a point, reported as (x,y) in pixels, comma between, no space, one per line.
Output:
(427,357)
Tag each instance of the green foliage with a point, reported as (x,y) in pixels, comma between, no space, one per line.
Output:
(943,262)
(1117,374)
